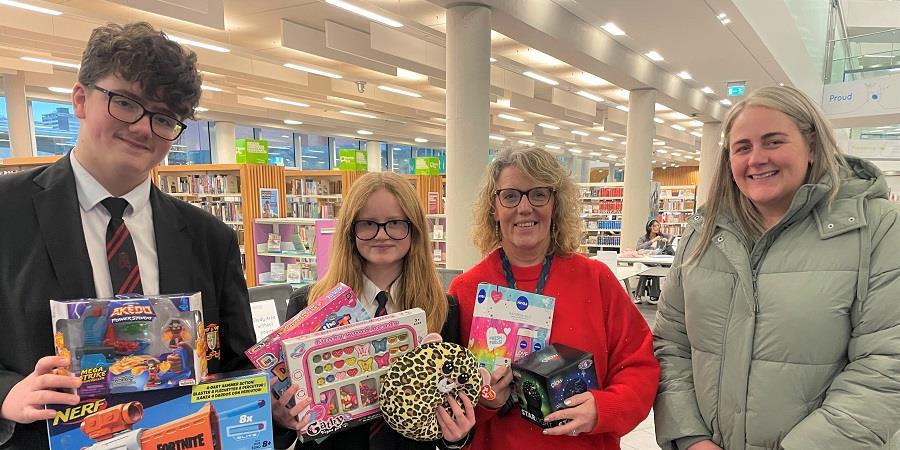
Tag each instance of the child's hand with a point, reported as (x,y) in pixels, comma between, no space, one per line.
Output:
(289,417)
(501,381)
(25,401)
(456,428)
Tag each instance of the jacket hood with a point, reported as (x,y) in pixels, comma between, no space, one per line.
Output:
(862,178)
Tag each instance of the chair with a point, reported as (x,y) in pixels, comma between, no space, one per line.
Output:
(447,275)
(279,293)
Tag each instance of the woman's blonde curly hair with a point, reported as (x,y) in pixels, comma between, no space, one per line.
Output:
(543,168)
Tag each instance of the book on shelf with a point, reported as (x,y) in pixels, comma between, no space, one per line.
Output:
(437,254)
(437,232)
(273,244)
(277,271)
(293,273)
(201,184)
(311,186)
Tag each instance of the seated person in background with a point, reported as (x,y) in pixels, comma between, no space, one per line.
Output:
(658,244)
(381,251)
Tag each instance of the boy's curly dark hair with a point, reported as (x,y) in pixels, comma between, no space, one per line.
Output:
(166,72)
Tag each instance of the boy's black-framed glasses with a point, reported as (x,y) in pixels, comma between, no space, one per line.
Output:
(537,196)
(366,230)
(131,111)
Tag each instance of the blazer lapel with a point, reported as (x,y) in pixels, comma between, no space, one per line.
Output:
(173,244)
(59,219)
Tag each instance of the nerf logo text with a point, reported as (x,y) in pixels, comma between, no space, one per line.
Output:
(76,413)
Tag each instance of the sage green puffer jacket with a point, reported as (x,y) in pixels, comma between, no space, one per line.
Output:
(793,341)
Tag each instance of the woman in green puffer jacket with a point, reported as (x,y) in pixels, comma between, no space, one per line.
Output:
(779,323)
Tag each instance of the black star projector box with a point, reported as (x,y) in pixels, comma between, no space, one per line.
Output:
(545,379)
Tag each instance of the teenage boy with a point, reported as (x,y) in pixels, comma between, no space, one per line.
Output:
(93,225)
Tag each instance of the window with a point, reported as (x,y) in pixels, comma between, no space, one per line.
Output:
(243,132)
(401,159)
(5,149)
(193,146)
(314,152)
(55,127)
(385,157)
(281,146)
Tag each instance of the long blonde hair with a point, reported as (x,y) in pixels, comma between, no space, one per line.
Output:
(724,195)
(420,286)
(541,167)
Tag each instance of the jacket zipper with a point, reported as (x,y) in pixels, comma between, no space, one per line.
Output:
(755,291)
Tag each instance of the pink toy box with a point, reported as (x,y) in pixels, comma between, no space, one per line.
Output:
(508,324)
(336,308)
(339,369)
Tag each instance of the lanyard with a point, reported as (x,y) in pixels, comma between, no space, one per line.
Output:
(511,280)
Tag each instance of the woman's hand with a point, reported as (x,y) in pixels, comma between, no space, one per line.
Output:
(288,417)
(457,427)
(581,413)
(704,445)
(501,381)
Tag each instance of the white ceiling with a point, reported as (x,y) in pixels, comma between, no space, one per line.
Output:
(538,35)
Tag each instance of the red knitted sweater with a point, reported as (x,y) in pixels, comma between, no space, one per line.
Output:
(592,313)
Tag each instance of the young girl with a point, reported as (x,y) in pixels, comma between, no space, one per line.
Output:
(381,250)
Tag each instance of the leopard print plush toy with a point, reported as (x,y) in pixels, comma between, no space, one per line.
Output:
(421,380)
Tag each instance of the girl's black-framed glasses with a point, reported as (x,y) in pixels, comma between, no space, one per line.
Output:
(366,230)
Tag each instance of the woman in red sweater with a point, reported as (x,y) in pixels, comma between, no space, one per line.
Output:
(526,221)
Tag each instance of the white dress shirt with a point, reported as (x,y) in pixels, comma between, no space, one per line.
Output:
(366,298)
(138,217)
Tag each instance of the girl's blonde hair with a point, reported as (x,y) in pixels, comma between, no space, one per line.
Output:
(419,285)
(543,168)
(724,195)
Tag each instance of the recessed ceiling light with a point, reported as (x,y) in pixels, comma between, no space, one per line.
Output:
(725,21)
(312,70)
(675,154)
(540,78)
(658,142)
(622,108)
(201,109)
(652,54)
(699,135)
(612,29)
(496,137)
(410,75)
(400,91)
(194,43)
(611,156)
(286,102)
(580,133)
(60,90)
(292,122)
(528,143)
(357,114)
(493,60)
(575,150)
(421,140)
(658,120)
(51,62)
(707,90)
(607,139)
(725,102)
(591,96)
(510,117)
(548,125)
(678,127)
(591,79)
(684,75)
(38,9)
(206,87)
(661,151)
(365,13)
(363,132)
(653,162)
(552,147)
(595,154)
(688,156)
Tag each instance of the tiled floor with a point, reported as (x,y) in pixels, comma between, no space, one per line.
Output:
(643,437)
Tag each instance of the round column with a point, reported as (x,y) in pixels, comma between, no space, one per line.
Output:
(709,153)
(636,206)
(21,142)
(373,153)
(223,151)
(468,124)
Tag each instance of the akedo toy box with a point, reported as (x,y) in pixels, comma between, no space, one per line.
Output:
(339,369)
(131,344)
(232,413)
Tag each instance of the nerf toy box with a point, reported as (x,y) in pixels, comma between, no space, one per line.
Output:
(336,308)
(220,414)
(131,344)
(545,379)
(508,324)
(339,369)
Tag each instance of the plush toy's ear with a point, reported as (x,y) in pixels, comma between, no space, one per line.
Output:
(432,338)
